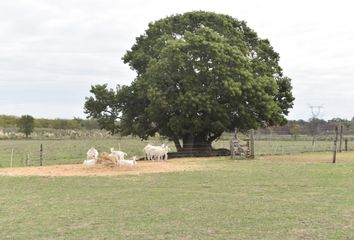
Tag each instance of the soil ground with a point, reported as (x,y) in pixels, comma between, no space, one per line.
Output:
(173,165)
(100,170)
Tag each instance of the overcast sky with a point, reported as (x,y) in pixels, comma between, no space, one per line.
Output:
(52,51)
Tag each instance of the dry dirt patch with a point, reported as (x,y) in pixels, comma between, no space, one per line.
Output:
(101,170)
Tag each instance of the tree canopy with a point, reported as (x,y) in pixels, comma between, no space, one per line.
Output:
(26,124)
(198,74)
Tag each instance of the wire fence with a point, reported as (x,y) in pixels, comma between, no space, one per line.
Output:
(18,153)
(275,142)
(27,153)
(21,153)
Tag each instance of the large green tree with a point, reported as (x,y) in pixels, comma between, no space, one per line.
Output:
(198,74)
(26,124)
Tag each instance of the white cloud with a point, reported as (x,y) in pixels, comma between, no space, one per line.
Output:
(52,51)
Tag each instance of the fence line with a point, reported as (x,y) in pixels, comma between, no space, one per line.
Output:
(27,152)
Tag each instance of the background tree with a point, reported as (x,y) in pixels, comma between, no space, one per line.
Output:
(26,124)
(76,123)
(198,74)
(8,121)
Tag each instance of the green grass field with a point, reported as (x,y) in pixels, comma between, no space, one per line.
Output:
(285,197)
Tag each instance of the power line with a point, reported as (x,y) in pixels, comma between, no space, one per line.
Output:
(315,110)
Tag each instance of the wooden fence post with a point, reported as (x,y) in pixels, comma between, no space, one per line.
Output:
(235,133)
(232,144)
(335,145)
(340,138)
(41,156)
(232,151)
(346,144)
(252,155)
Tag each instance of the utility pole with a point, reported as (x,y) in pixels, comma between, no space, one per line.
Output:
(315,110)
(314,124)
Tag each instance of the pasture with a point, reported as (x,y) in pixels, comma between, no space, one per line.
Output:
(72,151)
(65,151)
(273,197)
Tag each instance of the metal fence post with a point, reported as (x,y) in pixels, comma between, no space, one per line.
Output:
(335,145)
(41,156)
(340,138)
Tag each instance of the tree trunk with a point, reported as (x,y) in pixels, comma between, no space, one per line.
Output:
(198,143)
(188,143)
(177,144)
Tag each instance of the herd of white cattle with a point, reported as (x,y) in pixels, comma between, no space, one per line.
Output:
(118,157)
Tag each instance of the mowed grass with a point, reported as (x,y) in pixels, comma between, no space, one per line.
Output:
(295,197)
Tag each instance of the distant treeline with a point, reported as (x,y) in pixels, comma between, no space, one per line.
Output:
(310,127)
(76,123)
